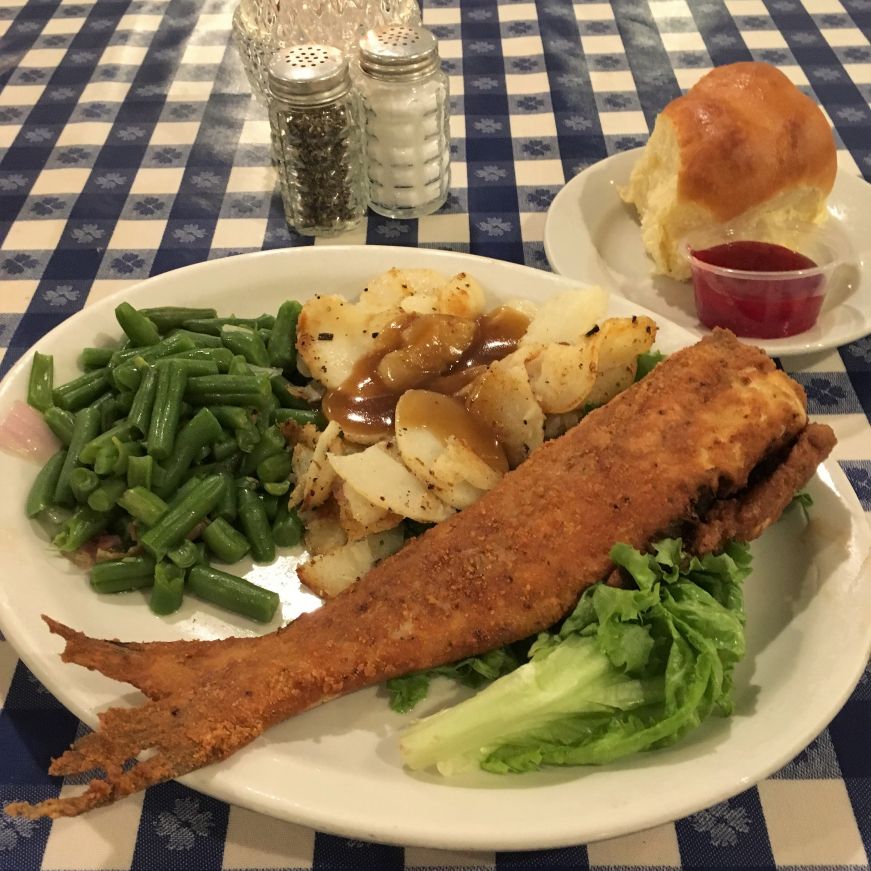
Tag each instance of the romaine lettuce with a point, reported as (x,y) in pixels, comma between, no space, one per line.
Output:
(628,670)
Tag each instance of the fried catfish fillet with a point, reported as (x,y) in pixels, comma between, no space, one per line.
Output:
(685,443)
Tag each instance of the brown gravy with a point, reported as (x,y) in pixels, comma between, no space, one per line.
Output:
(446,416)
(440,353)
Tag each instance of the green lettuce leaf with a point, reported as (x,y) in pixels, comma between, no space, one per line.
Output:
(629,670)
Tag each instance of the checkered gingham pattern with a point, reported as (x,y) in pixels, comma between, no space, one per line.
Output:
(130,145)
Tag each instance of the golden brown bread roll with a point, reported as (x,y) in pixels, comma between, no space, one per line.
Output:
(744,146)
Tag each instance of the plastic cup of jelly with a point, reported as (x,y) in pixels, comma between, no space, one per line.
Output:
(757,288)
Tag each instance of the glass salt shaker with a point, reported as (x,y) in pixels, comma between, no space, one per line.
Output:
(317,139)
(405,99)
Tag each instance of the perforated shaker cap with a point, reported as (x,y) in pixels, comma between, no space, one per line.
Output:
(399,51)
(308,75)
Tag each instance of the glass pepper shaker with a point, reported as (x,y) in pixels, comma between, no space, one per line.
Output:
(405,100)
(317,139)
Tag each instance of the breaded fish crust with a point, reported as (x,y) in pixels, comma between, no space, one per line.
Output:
(510,565)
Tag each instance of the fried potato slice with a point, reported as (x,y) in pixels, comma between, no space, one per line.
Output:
(445,445)
(314,484)
(358,516)
(567,317)
(460,295)
(621,340)
(384,480)
(328,574)
(561,376)
(323,529)
(502,397)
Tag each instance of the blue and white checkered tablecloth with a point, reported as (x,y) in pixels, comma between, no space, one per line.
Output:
(130,145)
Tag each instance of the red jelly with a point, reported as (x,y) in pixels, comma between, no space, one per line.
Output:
(757,289)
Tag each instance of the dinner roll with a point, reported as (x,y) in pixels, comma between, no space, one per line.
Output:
(744,146)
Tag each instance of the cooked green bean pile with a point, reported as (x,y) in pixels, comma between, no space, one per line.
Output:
(173,442)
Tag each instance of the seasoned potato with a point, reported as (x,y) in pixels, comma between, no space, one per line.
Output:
(621,340)
(383,480)
(329,573)
(461,296)
(314,485)
(567,317)
(358,516)
(445,445)
(561,376)
(503,398)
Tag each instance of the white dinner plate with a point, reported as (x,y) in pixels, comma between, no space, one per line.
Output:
(591,235)
(337,768)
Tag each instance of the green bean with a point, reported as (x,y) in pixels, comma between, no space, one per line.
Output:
(233,593)
(41,381)
(271,442)
(255,525)
(82,525)
(168,590)
(60,422)
(221,356)
(241,340)
(184,555)
(301,416)
(282,341)
(213,326)
(245,390)
(171,382)
(143,505)
(42,490)
(281,390)
(225,542)
(140,471)
(181,519)
(111,411)
(95,358)
(247,438)
(228,505)
(192,365)
(55,516)
(287,528)
(276,488)
(86,426)
(224,448)
(170,317)
(266,413)
(137,326)
(122,575)
(275,468)
(106,460)
(125,398)
(83,482)
(126,450)
(106,496)
(202,430)
(202,341)
(239,366)
(143,401)
(186,488)
(81,391)
(270,504)
(170,345)
(128,376)
(122,431)
(231,416)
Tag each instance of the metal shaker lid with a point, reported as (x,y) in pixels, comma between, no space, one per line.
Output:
(308,75)
(399,51)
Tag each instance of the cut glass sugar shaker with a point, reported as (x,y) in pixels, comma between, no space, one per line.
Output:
(407,137)
(317,139)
